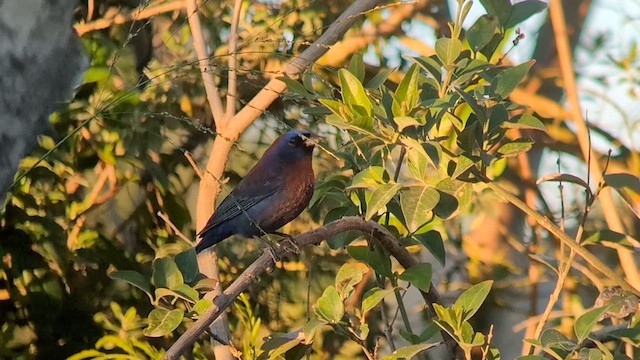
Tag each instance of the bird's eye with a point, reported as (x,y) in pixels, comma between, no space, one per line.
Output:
(295,141)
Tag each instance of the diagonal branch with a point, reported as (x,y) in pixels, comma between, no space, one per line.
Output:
(295,67)
(258,267)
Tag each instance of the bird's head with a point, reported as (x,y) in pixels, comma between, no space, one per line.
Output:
(295,145)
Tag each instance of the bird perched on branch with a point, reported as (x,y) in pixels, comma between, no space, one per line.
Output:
(272,194)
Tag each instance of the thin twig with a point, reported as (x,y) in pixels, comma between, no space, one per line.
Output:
(194,165)
(232,86)
(142,12)
(213,96)
(173,227)
(627,259)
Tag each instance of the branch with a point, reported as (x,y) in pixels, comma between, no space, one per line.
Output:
(340,52)
(213,96)
(627,259)
(295,67)
(142,12)
(258,267)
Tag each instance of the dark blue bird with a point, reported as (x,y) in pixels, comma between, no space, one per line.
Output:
(273,193)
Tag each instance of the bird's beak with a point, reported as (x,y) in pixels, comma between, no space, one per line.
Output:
(313,140)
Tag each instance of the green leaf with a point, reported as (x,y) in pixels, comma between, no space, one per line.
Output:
(162,322)
(349,275)
(409,352)
(201,306)
(379,79)
(482,31)
(419,276)
(353,94)
(553,339)
(531,357)
(523,10)
(166,273)
(507,80)
(472,298)
(380,198)
(610,237)
(623,181)
(356,66)
(463,164)
(295,87)
(329,306)
(404,122)
(407,95)
(376,258)
(563,178)
(370,177)
(188,265)
(310,329)
(373,297)
(416,203)
(96,74)
(432,240)
(585,323)
(499,8)
(134,278)
(525,121)
(448,50)
(516,147)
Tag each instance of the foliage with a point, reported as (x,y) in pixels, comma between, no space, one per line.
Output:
(417,146)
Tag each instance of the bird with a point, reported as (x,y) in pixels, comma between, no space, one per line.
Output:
(273,193)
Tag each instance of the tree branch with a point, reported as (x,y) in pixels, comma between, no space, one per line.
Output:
(258,267)
(142,12)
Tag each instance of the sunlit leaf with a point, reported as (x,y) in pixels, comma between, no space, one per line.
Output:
(349,275)
(448,50)
(329,306)
(353,93)
(585,323)
(472,298)
(409,352)
(416,203)
(373,297)
(162,322)
(380,197)
(516,147)
(166,273)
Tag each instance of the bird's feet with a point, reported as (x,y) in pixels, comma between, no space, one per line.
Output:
(289,239)
(270,249)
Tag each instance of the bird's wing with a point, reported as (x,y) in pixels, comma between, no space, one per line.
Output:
(242,198)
